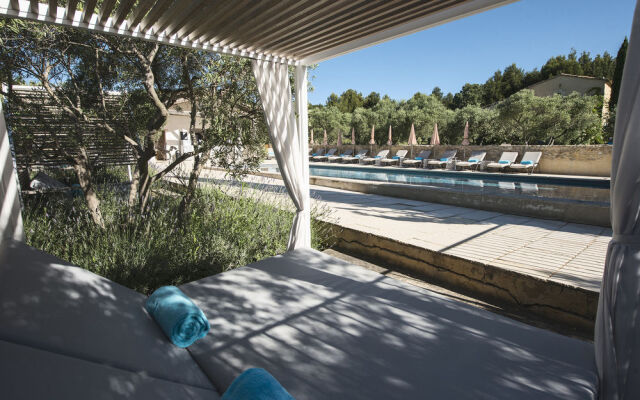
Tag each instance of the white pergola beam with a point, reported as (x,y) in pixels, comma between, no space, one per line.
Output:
(430,21)
(77,20)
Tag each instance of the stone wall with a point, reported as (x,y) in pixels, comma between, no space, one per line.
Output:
(587,160)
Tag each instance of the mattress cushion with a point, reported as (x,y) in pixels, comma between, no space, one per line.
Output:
(327,329)
(28,373)
(52,305)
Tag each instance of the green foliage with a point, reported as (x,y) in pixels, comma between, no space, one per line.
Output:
(148,251)
(617,74)
(521,118)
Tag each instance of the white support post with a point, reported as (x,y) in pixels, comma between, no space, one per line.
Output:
(10,213)
(302,105)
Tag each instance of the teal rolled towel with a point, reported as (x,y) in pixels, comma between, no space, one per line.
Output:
(256,384)
(178,317)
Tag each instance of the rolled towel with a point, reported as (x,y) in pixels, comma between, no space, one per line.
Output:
(256,384)
(178,317)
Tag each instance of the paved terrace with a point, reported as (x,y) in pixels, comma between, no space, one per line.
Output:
(569,255)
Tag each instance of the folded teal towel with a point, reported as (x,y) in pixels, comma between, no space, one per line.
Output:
(314,154)
(395,157)
(377,157)
(444,159)
(526,162)
(358,155)
(419,158)
(256,384)
(503,162)
(473,160)
(181,320)
(343,155)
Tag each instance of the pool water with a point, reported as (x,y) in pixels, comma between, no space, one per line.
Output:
(559,188)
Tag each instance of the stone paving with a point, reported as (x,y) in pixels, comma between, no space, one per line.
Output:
(569,253)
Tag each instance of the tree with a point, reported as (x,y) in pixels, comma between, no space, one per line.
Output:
(232,131)
(74,72)
(371,100)
(617,74)
(350,100)
(437,93)
(333,100)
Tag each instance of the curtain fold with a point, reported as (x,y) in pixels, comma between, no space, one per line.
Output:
(10,207)
(617,330)
(289,137)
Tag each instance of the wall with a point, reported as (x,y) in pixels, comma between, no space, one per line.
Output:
(10,213)
(587,160)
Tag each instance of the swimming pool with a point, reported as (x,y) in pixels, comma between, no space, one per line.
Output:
(551,187)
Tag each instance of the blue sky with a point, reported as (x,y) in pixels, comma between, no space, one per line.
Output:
(527,32)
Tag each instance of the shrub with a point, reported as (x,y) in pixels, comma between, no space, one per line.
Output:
(147,251)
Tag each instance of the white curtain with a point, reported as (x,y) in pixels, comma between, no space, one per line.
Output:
(289,137)
(10,209)
(617,332)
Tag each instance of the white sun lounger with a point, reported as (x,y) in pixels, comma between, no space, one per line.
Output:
(418,161)
(506,159)
(355,158)
(397,159)
(474,160)
(346,153)
(381,154)
(443,160)
(326,156)
(529,161)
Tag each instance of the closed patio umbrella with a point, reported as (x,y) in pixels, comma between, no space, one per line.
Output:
(412,139)
(324,139)
(339,144)
(312,141)
(465,138)
(617,330)
(372,141)
(390,141)
(435,138)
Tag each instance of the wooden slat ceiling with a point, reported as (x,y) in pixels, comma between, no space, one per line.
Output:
(297,31)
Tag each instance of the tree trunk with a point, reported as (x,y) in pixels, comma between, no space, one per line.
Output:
(83,172)
(199,161)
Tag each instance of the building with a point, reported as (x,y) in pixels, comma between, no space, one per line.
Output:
(565,84)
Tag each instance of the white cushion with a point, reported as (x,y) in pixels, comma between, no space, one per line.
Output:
(28,373)
(329,330)
(52,305)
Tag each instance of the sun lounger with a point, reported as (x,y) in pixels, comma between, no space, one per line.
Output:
(506,159)
(370,160)
(397,159)
(476,158)
(528,163)
(361,154)
(315,154)
(326,329)
(443,160)
(418,161)
(326,156)
(346,153)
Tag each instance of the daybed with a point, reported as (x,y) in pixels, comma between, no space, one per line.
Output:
(346,153)
(325,329)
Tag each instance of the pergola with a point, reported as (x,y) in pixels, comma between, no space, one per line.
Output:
(277,33)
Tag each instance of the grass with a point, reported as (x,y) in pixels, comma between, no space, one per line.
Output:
(222,232)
